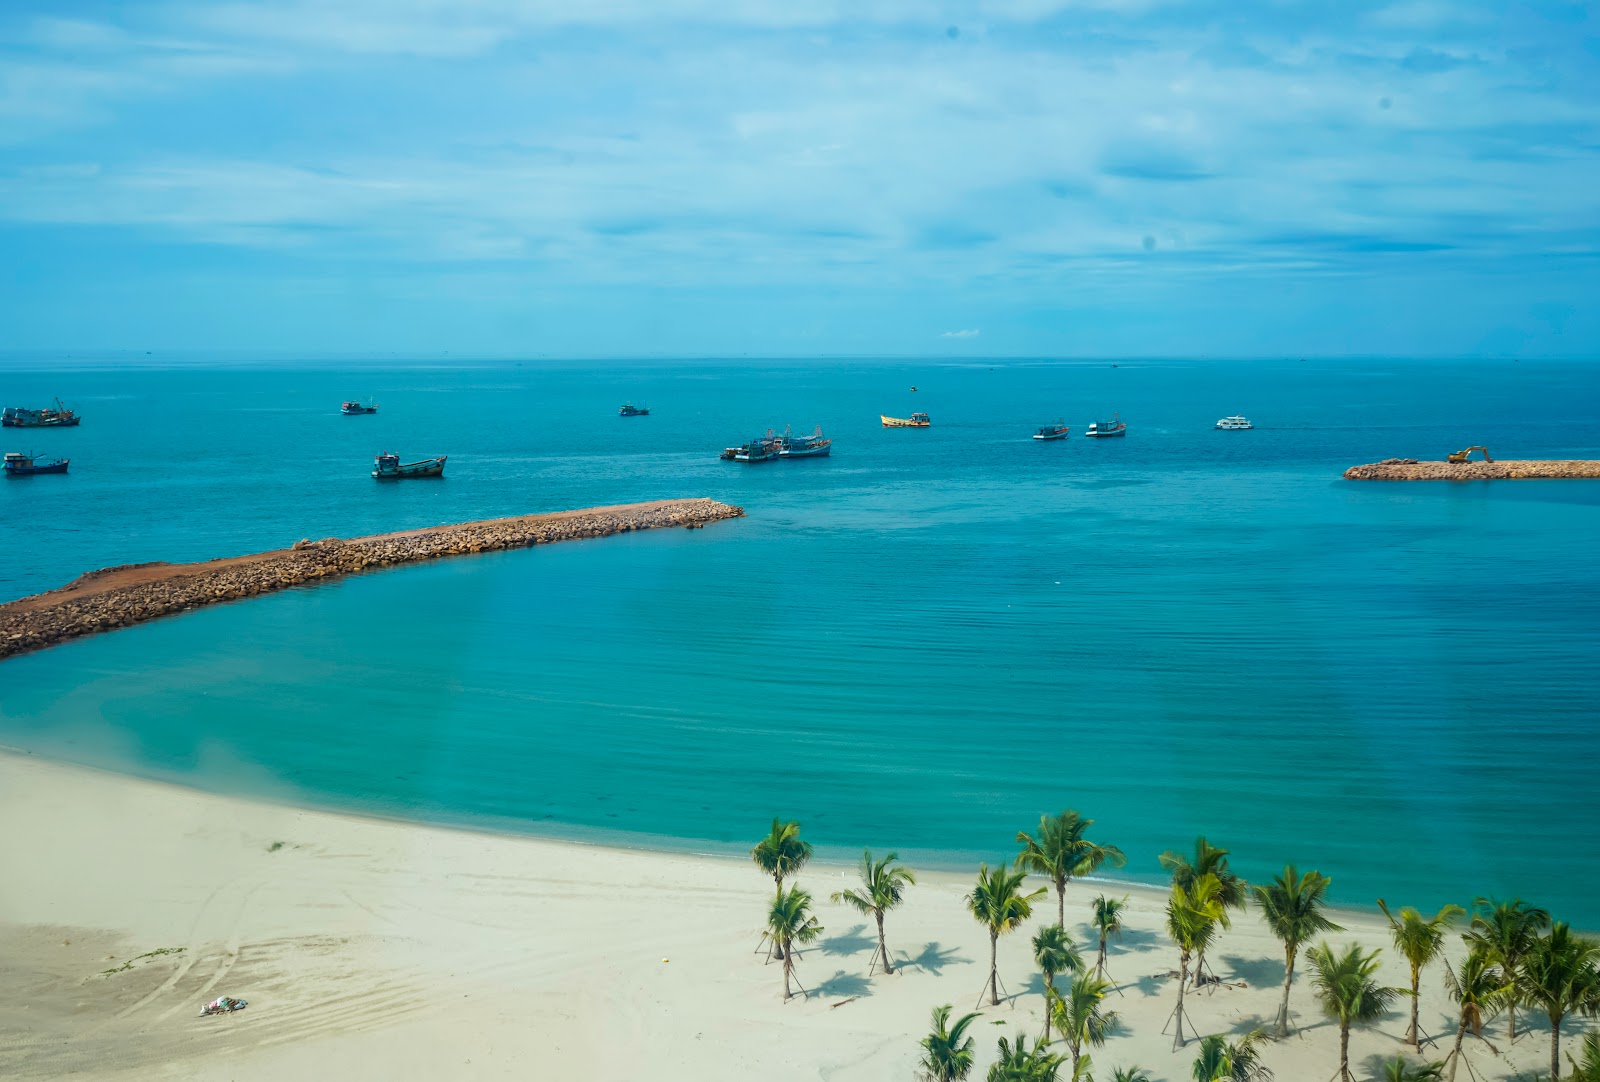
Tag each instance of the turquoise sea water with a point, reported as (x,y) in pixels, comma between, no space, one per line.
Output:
(921,643)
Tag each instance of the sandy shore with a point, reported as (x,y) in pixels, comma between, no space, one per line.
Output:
(371,949)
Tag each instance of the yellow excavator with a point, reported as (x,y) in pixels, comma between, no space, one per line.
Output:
(1463,456)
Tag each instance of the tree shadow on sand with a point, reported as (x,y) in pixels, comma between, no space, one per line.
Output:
(1257,972)
(933,958)
(844,985)
(851,942)
(1132,939)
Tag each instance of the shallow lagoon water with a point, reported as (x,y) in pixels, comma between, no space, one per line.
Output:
(921,643)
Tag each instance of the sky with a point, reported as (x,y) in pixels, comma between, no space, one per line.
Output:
(591,178)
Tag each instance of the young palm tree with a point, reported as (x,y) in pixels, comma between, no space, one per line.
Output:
(1130,1074)
(1588,1068)
(1240,1061)
(1054,953)
(1080,1017)
(1419,940)
(1398,1070)
(1506,930)
(1193,916)
(1019,1063)
(1107,921)
(791,922)
(1560,974)
(1060,851)
(1349,992)
(997,902)
(1208,860)
(947,1051)
(781,854)
(1479,989)
(883,887)
(1292,906)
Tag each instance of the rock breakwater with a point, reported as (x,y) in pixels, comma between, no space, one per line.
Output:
(133,593)
(1409,469)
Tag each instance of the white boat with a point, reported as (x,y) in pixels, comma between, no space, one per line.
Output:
(1114,427)
(1236,423)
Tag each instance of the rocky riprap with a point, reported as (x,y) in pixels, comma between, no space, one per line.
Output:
(133,593)
(1409,469)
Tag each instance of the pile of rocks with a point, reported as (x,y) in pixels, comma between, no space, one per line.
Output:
(84,607)
(1409,469)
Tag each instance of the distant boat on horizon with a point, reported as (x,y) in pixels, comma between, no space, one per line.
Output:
(388,467)
(1236,423)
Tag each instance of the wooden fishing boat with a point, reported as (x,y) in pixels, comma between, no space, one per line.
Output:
(815,445)
(18,464)
(761,449)
(1114,427)
(916,420)
(20,417)
(389,467)
(355,409)
(1057,431)
(628,409)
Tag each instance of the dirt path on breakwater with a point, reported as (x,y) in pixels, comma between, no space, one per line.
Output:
(131,594)
(1409,469)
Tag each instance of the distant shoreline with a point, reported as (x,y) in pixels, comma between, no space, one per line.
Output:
(133,593)
(1396,469)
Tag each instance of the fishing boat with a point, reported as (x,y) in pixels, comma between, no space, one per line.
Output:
(20,417)
(389,467)
(18,464)
(355,409)
(916,420)
(1114,427)
(1056,431)
(1236,423)
(812,446)
(761,449)
(628,409)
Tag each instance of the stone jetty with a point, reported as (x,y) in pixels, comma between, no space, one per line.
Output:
(133,593)
(1409,469)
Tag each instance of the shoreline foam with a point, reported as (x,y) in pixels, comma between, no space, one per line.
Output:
(131,594)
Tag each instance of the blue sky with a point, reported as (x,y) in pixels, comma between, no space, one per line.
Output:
(775,177)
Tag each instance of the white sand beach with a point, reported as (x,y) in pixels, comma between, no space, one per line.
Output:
(373,949)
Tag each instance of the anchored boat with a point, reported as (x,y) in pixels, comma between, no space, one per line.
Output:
(812,446)
(1056,431)
(20,417)
(1236,423)
(916,420)
(761,449)
(1114,427)
(628,409)
(18,464)
(389,467)
(354,409)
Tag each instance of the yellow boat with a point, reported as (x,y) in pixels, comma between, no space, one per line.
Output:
(916,420)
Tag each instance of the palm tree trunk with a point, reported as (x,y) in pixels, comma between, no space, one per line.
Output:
(1075,1058)
(1455,1053)
(994,971)
(1199,968)
(1555,1048)
(1183,977)
(777,948)
(1049,1003)
(1289,951)
(1344,1052)
(1061,903)
(1511,1011)
(787,962)
(1100,966)
(883,949)
(1411,1034)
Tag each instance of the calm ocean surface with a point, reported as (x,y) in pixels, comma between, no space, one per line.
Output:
(921,643)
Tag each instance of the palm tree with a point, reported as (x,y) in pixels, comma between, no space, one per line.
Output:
(1107,921)
(1398,1070)
(882,888)
(1054,953)
(1130,1074)
(1020,1063)
(781,854)
(1587,1069)
(1080,1018)
(1420,940)
(947,1051)
(1292,906)
(1192,919)
(1000,906)
(1348,992)
(1560,974)
(791,922)
(1505,930)
(1208,859)
(1480,988)
(1240,1061)
(1061,851)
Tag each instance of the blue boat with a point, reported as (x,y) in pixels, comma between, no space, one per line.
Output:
(18,464)
(21,417)
(390,468)
(813,446)
(1057,431)
(355,409)
(761,449)
(628,409)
